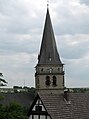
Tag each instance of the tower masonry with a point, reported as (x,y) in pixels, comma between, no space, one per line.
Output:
(49,76)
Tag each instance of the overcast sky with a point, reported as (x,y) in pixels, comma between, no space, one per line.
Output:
(21,28)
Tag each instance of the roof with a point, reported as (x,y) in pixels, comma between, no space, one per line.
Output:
(23,98)
(76,108)
(48,52)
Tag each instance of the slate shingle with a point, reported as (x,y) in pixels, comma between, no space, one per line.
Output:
(59,108)
(23,98)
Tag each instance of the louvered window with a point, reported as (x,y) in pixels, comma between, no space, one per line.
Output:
(54,81)
(47,82)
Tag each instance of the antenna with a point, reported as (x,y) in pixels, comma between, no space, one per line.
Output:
(24,83)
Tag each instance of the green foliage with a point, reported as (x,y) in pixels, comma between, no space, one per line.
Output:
(17,87)
(1,97)
(79,90)
(1,74)
(13,111)
(3,82)
(33,92)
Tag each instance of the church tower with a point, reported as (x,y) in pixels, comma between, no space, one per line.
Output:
(49,76)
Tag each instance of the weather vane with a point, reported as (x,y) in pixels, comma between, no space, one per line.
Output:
(47,3)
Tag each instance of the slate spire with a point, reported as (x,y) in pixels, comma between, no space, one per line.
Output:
(48,52)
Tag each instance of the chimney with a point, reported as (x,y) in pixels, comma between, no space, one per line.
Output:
(66,95)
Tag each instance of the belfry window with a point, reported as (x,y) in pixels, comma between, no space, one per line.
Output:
(47,82)
(42,70)
(54,81)
(50,59)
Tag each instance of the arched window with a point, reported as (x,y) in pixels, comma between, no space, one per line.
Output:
(47,82)
(54,81)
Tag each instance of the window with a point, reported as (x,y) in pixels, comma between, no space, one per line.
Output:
(35,117)
(60,69)
(37,83)
(42,117)
(54,81)
(38,108)
(47,82)
(50,70)
(39,117)
(37,80)
(42,70)
(50,59)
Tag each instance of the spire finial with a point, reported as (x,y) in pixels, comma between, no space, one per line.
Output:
(47,3)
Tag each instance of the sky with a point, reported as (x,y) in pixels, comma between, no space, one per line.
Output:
(21,29)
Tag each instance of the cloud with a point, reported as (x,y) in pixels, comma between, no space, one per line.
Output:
(77,72)
(21,27)
(86,2)
(73,46)
(18,67)
(19,43)
(74,52)
(17,17)
(71,18)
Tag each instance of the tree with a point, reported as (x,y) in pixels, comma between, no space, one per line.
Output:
(13,111)
(2,80)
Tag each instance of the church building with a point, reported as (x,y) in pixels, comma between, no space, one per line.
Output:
(49,76)
(52,102)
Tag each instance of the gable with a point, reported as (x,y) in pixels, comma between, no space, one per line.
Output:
(38,110)
(39,106)
(54,106)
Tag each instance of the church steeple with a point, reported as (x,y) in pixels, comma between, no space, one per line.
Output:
(49,76)
(48,52)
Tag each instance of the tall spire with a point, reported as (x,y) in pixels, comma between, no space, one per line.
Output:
(49,76)
(48,52)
